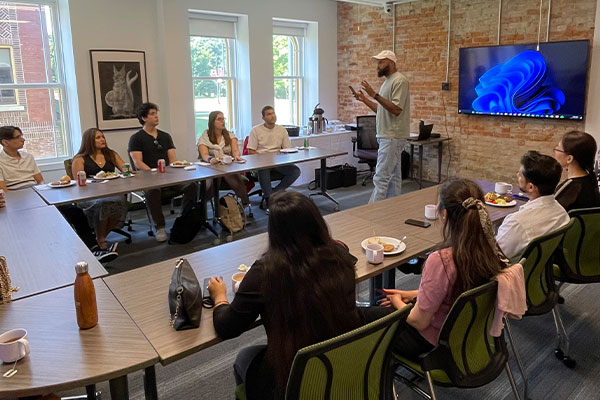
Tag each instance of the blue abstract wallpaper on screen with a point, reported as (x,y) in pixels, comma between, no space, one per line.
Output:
(521,81)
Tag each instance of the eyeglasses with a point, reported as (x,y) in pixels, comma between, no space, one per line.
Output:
(158,145)
(559,150)
(20,136)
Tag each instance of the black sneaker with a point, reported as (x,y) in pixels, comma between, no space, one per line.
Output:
(267,211)
(112,247)
(105,256)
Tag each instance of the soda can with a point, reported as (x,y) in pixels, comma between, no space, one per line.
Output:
(162,165)
(126,167)
(81,177)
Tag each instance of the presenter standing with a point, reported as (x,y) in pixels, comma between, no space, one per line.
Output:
(392,105)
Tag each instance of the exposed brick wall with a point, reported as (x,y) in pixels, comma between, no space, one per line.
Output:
(482,146)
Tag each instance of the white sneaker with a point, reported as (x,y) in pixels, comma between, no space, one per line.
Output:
(161,235)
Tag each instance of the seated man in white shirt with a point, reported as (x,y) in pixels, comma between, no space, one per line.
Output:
(269,137)
(538,176)
(18,170)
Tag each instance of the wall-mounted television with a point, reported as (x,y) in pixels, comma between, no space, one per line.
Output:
(519,81)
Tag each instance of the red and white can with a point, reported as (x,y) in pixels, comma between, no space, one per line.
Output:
(162,165)
(81,178)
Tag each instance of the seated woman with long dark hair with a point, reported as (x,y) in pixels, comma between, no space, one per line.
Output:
(93,157)
(468,258)
(303,288)
(576,154)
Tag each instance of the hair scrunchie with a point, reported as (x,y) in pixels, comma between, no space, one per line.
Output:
(486,225)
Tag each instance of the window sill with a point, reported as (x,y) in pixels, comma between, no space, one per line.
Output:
(11,108)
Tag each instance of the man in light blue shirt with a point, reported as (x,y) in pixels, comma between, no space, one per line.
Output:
(392,105)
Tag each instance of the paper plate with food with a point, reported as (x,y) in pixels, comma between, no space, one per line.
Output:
(180,164)
(126,174)
(500,200)
(106,175)
(391,246)
(65,181)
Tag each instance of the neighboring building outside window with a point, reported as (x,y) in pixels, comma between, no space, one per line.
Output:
(32,89)
(212,51)
(288,79)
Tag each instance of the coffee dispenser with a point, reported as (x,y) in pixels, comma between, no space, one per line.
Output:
(317,123)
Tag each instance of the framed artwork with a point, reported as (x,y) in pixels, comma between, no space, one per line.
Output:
(120,86)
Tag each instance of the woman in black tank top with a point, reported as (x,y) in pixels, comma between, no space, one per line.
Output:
(93,157)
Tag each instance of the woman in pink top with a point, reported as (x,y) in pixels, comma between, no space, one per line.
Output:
(468,258)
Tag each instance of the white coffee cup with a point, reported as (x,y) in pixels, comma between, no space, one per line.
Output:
(236,279)
(374,253)
(227,159)
(431,211)
(503,187)
(13,345)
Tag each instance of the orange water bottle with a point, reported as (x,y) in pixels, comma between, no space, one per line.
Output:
(85,297)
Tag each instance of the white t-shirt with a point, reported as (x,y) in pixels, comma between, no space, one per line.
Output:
(18,172)
(216,150)
(395,89)
(534,218)
(265,140)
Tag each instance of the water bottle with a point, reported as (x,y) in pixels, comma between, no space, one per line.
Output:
(85,297)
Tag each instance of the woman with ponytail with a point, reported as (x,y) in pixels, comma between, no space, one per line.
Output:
(468,258)
(575,153)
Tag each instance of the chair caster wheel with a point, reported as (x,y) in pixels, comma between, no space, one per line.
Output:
(129,229)
(561,300)
(150,233)
(217,242)
(336,208)
(569,362)
(251,215)
(228,238)
(558,353)
(128,241)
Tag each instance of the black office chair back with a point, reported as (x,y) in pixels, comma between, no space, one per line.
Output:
(366,132)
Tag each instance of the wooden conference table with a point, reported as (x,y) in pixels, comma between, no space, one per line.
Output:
(144,180)
(24,199)
(41,250)
(151,312)
(63,356)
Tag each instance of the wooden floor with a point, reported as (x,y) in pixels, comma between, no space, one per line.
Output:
(209,374)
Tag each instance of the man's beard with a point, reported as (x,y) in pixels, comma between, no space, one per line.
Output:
(383,72)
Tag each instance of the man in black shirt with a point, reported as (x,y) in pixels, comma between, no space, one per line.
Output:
(146,147)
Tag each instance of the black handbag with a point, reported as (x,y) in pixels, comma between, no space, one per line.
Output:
(185,297)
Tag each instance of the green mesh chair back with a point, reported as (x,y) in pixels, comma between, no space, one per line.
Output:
(467,356)
(355,365)
(68,163)
(580,259)
(541,291)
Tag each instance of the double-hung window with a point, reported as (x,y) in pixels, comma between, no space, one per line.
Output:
(32,89)
(212,50)
(288,70)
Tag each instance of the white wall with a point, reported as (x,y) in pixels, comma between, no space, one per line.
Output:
(592,115)
(160,28)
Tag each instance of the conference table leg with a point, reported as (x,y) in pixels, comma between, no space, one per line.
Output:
(385,280)
(412,155)
(90,391)
(420,166)
(205,223)
(119,388)
(323,192)
(440,161)
(150,390)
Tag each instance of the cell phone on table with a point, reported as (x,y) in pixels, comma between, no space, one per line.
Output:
(416,222)
(353,91)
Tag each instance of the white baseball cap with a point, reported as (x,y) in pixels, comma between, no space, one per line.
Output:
(386,54)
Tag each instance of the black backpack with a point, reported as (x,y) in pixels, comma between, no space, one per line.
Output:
(187,225)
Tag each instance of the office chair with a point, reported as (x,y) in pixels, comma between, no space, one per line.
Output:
(68,163)
(466,356)
(354,365)
(364,145)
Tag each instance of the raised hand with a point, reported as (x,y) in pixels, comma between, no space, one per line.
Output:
(367,88)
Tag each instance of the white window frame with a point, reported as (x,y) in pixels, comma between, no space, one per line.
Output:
(297,32)
(50,86)
(232,84)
